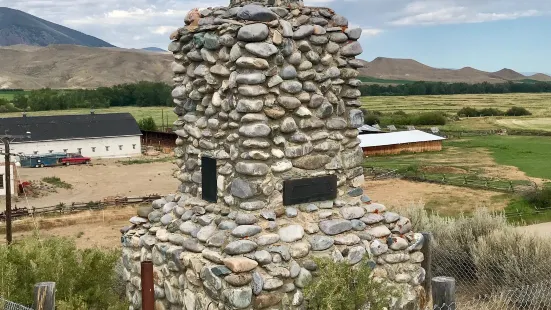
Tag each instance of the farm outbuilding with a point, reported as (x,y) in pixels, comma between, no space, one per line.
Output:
(13,179)
(92,135)
(392,143)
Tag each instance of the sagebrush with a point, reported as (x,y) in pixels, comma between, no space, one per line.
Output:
(487,255)
(340,286)
(85,279)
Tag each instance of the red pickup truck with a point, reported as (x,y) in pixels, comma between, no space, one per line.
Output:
(75,159)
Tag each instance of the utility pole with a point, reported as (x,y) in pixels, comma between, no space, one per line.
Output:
(7,185)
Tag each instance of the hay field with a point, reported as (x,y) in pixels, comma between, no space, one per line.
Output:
(538,104)
(543,124)
(138,113)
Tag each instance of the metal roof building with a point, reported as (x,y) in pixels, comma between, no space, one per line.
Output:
(366,129)
(392,143)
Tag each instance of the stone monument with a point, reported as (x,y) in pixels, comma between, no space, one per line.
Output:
(266,94)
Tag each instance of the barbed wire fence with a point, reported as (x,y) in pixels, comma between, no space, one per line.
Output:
(8,305)
(490,280)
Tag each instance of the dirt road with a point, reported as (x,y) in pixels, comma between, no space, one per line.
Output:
(104,178)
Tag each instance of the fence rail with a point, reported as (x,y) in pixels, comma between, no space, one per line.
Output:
(471,181)
(63,208)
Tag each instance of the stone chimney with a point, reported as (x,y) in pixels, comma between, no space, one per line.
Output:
(267,99)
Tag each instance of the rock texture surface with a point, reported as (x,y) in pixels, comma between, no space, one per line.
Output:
(270,92)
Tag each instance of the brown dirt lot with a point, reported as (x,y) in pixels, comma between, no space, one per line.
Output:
(88,229)
(444,199)
(104,178)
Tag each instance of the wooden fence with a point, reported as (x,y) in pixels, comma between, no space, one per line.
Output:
(471,181)
(63,208)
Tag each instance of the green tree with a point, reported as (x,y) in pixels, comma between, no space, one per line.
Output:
(147,124)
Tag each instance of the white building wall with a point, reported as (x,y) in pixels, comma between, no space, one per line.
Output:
(91,147)
(3,182)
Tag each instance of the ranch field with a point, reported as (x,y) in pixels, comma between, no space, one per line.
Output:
(138,112)
(538,104)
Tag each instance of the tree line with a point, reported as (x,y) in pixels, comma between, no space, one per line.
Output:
(141,94)
(441,88)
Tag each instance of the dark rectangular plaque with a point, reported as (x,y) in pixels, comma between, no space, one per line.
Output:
(309,190)
(208,179)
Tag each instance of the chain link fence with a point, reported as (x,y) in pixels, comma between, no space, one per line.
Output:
(8,305)
(503,272)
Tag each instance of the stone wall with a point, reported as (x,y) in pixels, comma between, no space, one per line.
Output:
(272,94)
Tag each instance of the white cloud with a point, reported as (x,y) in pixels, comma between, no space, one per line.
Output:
(371,32)
(139,23)
(456,15)
(162,30)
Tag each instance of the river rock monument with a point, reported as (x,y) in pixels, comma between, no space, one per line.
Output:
(266,94)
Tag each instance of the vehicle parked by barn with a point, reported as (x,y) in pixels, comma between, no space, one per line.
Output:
(75,159)
(52,159)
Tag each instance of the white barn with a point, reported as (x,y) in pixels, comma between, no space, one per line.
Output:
(92,135)
(3,187)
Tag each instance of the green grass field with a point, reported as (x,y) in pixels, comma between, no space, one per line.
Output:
(138,112)
(529,154)
(486,155)
(8,95)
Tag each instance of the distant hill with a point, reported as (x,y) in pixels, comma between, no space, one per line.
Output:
(17,27)
(71,66)
(411,70)
(540,77)
(154,49)
(508,74)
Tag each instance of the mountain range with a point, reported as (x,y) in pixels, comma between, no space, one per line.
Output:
(411,70)
(35,53)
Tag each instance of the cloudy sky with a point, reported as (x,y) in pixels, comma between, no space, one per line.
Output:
(486,34)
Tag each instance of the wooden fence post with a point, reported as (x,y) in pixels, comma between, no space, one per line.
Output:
(443,293)
(427,262)
(44,296)
(148,292)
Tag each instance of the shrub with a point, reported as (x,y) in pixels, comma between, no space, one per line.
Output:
(343,287)
(147,124)
(371,117)
(509,258)
(540,198)
(84,278)
(57,182)
(468,112)
(490,112)
(454,237)
(430,118)
(517,111)
(403,119)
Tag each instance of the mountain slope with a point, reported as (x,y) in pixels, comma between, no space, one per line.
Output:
(411,70)
(508,74)
(71,66)
(540,77)
(17,27)
(154,49)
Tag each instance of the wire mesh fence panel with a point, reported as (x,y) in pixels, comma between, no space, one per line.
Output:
(497,274)
(8,305)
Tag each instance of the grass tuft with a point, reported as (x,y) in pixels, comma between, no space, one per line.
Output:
(57,182)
